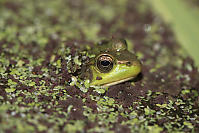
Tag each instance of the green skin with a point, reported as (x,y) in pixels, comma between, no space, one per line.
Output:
(125,64)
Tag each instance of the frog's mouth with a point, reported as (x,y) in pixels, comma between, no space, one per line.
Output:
(116,82)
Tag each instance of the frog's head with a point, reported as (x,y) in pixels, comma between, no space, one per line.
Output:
(113,64)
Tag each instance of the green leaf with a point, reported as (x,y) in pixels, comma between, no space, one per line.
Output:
(184,21)
(188,124)
(148,111)
(32,84)
(8,90)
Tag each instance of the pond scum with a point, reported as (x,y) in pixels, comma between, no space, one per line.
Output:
(39,60)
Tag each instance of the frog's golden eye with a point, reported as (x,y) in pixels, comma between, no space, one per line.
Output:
(104,63)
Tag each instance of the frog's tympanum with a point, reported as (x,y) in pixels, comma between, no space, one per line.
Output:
(112,63)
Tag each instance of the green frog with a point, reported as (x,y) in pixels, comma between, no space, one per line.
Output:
(112,63)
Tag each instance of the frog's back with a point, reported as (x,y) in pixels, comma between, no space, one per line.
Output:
(111,45)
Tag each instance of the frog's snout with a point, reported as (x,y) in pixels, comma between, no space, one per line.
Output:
(136,63)
(137,66)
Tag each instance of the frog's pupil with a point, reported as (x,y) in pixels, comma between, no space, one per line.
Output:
(105,63)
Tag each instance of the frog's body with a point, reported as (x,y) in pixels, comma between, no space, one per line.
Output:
(112,63)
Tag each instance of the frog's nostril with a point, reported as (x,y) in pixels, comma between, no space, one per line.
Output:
(128,63)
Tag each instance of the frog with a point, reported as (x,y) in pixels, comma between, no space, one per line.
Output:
(112,63)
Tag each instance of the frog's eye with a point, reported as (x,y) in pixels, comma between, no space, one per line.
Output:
(104,63)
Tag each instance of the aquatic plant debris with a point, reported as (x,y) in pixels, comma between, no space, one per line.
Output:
(40,90)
